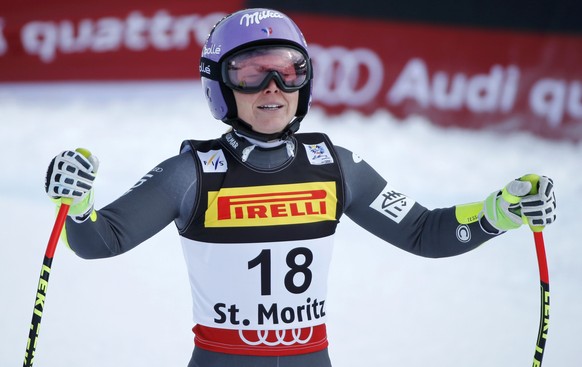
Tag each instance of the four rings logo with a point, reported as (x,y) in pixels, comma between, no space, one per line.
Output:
(271,205)
(352,77)
(281,337)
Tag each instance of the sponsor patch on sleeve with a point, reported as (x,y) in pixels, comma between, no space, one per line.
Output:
(392,204)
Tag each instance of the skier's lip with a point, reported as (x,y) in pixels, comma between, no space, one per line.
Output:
(270,106)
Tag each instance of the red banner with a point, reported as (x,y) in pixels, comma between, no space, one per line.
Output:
(105,40)
(454,76)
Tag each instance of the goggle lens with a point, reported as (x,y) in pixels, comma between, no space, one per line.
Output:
(250,71)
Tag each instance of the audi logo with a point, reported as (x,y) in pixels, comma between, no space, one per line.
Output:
(342,76)
(282,337)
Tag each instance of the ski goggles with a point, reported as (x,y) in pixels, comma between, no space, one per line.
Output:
(251,70)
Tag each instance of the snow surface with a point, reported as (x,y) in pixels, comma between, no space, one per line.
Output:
(385,307)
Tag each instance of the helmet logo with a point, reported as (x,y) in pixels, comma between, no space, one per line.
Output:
(256,17)
(212,50)
(268,31)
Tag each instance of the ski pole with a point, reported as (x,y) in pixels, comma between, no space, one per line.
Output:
(544,281)
(43,282)
(545,296)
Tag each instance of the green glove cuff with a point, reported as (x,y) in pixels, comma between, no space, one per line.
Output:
(497,216)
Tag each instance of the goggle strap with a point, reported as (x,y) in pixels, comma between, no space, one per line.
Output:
(210,69)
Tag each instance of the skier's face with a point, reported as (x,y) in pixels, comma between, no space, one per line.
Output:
(268,111)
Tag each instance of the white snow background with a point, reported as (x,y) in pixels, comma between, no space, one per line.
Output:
(385,307)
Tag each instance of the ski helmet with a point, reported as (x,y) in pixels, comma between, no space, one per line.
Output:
(238,31)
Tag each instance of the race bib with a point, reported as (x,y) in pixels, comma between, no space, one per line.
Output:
(259,286)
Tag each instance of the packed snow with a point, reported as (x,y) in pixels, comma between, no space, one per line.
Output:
(385,306)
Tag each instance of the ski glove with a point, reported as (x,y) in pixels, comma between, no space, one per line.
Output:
(71,175)
(529,199)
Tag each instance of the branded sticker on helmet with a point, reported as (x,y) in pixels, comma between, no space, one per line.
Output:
(392,204)
(213,161)
(256,17)
(318,154)
(211,49)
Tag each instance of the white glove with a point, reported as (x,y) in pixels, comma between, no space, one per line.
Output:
(529,199)
(71,175)
(540,208)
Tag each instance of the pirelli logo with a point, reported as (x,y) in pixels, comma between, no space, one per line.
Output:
(271,205)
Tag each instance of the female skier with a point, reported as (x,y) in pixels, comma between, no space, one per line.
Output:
(256,208)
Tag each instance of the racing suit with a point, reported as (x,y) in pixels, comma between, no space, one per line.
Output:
(256,222)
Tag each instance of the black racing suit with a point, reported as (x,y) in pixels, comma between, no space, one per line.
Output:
(173,190)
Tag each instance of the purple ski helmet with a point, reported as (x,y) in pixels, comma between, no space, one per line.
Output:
(238,31)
